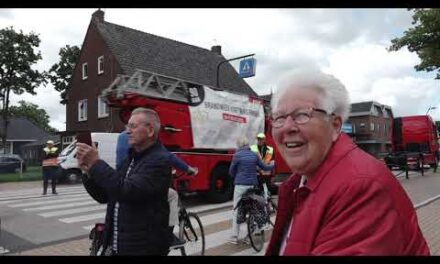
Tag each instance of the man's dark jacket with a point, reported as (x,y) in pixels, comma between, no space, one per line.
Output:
(143,201)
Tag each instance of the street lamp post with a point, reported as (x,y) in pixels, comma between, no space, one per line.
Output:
(218,66)
(431,108)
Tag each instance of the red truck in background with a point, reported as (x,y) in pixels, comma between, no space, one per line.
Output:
(187,130)
(414,143)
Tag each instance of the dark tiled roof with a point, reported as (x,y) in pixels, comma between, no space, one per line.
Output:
(361,107)
(20,128)
(54,138)
(139,50)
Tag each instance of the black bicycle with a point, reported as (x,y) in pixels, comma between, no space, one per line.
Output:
(258,216)
(97,237)
(190,228)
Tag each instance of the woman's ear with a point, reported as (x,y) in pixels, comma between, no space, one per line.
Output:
(336,124)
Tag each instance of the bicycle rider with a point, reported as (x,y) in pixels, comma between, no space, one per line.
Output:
(242,170)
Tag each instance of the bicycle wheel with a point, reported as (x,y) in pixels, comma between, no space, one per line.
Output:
(191,230)
(256,236)
(94,246)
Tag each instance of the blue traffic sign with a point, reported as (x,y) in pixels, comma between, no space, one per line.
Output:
(247,67)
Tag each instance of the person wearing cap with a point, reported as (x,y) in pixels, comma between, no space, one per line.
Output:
(265,152)
(50,166)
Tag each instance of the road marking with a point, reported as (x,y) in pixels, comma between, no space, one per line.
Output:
(36,191)
(51,202)
(82,218)
(28,196)
(73,211)
(44,198)
(426,202)
(208,207)
(58,206)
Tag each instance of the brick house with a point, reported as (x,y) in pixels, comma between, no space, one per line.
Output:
(372,126)
(110,50)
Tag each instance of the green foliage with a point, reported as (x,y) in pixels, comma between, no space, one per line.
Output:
(60,74)
(33,113)
(16,58)
(423,38)
(33,173)
(17,55)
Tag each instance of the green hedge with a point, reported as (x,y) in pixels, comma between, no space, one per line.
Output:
(33,173)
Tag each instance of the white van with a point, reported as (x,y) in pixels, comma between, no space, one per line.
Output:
(106,144)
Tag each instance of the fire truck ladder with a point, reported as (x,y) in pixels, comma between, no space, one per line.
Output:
(150,84)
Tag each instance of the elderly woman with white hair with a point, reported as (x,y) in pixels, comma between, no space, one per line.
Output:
(339,200)
(243,172)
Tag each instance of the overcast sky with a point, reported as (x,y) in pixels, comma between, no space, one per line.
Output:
(348,43)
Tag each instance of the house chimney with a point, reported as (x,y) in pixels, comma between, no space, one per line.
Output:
(98,15)
(217,49)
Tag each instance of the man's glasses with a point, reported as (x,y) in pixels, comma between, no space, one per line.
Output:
(300,117)
(133,126)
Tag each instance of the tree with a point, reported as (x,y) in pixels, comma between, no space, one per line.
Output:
(33,113)
(423,38)
(60,74)
(16,58)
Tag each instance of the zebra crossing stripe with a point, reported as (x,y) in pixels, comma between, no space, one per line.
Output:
(43,198)
(58,206)
(82,218)
(83,197)
(73,211)
(37,191)
(39,195)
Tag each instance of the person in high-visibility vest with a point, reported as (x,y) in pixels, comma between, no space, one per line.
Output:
(265,152)
(50,166)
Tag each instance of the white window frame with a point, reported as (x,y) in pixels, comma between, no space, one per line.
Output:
(85,69)
(371,126)
(100,60)
(102,108)
(67,140)
(362,124)
(82,115)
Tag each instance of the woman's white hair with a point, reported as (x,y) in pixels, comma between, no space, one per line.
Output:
(334,96)
(242,141)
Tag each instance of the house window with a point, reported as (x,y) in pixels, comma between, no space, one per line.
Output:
(100,65)
(8,148)
(82,110)
(84,71)
(371,126)
(67,140)
(362,125)
(102,108)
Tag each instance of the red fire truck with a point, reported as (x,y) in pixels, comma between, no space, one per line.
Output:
(199,124)
(414,143)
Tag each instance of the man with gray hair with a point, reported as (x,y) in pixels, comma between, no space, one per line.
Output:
(137,216)
(339,199)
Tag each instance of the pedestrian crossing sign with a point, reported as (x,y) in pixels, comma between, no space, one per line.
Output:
(247,68)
